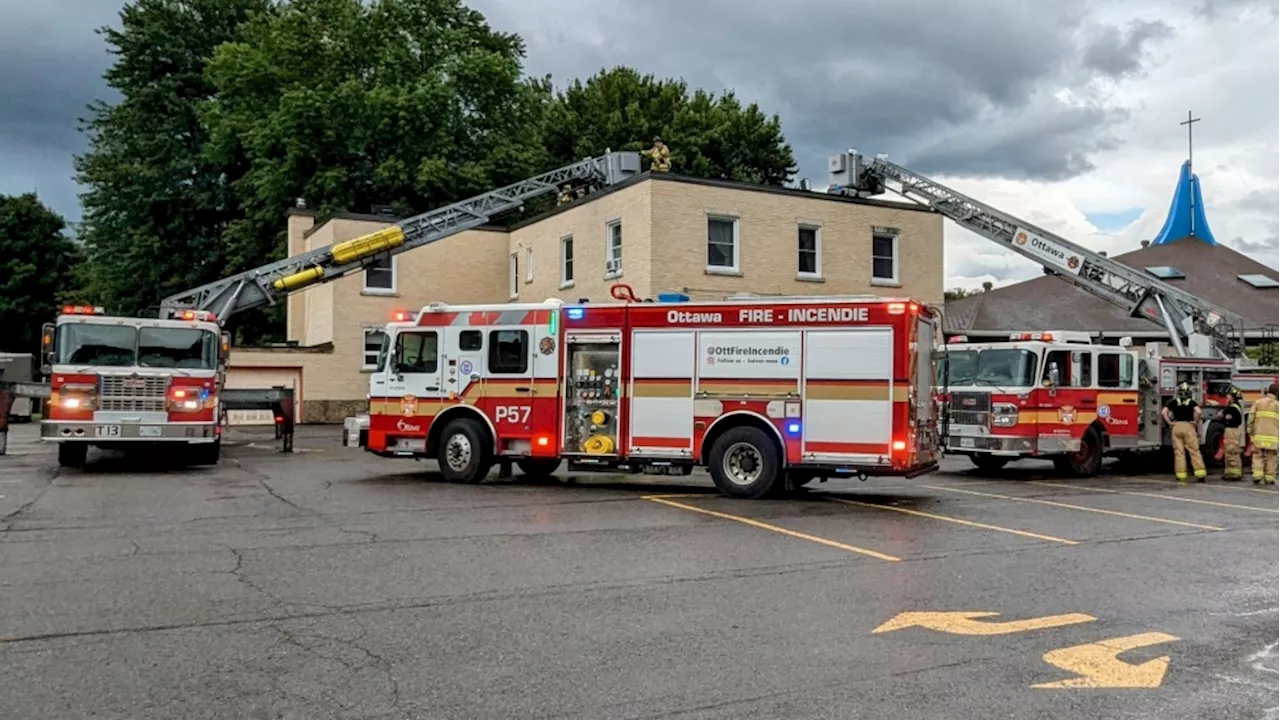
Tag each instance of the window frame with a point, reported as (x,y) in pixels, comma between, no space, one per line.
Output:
(462,346)
(816,273)
(566,261)
(513,275)
(495,343)
(366,289)
(735,265)
(1074,368)
(893,237)
(365,365)
(528,265)
(610,252)
(398,349)
(1120,356)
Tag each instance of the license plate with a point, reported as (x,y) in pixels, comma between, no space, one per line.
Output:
(106,430)
(150,431)
(966,442)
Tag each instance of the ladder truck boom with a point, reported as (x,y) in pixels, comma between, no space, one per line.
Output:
(1181,313)
(266,284)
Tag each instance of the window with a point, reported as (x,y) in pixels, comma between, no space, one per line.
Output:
(374,350)
(566,261)
(808,252)
(994,368)
(884,257)
(1115,370)
(1075,368)
(1258,281)
(380,277)
(417,352)
(722,243)
(528,265)
(508,352)
(613,255)
(470,341)
(513,275)
(1164,272)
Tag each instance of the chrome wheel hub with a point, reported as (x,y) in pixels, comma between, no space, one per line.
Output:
(743,464)
(457,452)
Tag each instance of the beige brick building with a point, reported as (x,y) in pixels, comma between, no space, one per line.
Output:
(657,232)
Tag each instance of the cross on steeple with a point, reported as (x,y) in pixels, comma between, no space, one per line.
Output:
(1189,122)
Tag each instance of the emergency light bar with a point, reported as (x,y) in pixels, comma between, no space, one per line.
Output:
(1063,336)
(82,310)
(958,339)
(404,316)
(192,315)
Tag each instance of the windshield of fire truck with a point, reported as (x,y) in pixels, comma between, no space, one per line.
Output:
(128,346)
(185,348)
(95,344)
(994,366)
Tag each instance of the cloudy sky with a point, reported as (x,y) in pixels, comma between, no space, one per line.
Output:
(1065,113)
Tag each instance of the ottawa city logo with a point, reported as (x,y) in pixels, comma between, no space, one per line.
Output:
(547,345)
(408,405)
(1073,262)
(1067,414)
(1020,238)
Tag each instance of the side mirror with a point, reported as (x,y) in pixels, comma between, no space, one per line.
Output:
(224,348)
(46,348)
(1055,375)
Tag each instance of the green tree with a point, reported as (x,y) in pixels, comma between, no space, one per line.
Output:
(37,270)
(156,206)
(411,103)
(958,294)
(709,136)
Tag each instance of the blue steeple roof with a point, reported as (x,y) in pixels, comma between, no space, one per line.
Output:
(1186,214)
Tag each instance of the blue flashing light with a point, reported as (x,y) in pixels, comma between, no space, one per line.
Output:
(575,313)
(793,428)
(672,297)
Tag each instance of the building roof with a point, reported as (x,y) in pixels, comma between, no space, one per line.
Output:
(1208,271)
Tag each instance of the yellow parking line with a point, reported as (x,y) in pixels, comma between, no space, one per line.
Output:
(958,521)
(774,528)
(1157,495)
(1100,511)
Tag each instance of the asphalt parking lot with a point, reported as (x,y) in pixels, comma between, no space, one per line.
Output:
(332,584)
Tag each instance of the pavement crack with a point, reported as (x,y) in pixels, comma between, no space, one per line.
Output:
(12,517)
(262,479)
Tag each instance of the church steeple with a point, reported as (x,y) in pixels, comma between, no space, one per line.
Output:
(1186,214)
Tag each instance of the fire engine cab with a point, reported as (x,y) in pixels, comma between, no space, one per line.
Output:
(1059,396)
(766,393)
(117,382)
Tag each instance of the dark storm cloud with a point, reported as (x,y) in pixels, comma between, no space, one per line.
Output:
(1117,53)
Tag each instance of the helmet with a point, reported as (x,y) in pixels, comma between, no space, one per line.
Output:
(1184,389)
(1271,389)
(1235,392)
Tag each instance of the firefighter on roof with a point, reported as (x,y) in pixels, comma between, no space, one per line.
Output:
(660,155)
(1264,433)
(1232,442)
(1183,415)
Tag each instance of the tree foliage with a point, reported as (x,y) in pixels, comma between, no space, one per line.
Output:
(37,270)
(156,206)
(412,103)
(709,136)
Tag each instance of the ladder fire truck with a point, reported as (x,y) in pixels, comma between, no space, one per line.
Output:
(1058,395)
(766,393)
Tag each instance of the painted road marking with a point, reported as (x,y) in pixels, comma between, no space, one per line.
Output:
(1223,485)
(960,521)
(766,526)
(966,623)
(1069,506)
(1097,666)
(1157,495)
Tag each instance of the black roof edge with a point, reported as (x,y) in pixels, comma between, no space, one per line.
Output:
(793,192)
(368,217)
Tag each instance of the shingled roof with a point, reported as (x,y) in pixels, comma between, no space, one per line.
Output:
(1212,272)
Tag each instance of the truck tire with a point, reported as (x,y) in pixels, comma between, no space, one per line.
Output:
(988,463)
(464,453)
(745,463)
(72,454)
(538,468)
(1087,462)
(1214,437)
(207,453)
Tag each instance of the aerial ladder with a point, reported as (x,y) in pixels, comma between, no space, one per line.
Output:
(269,283)
(1196,328)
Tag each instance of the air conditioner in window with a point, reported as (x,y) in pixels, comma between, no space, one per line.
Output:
(613,266)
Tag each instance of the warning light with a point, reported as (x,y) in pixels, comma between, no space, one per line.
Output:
(793,428)
(82,310)
(899,445)
(543,441)
(575,313)
(897,308)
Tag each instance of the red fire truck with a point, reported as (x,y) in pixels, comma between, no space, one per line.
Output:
(1058,396)
(766,393)
(117,382)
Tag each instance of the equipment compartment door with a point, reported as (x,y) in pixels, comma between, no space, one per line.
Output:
(848,392)
(508,387)
(662,366)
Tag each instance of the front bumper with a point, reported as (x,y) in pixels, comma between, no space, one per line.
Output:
(1013,444)
(97,432)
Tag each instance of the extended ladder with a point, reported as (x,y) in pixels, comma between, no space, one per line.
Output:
(266,284)
(1181,313)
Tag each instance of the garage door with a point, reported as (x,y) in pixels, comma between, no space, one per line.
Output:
(263,379)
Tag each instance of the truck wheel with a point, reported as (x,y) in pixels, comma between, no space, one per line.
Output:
(207,453)
(1214,438)
(1087,461)
(538,468)
(72,455)
(988,463)
(464,454)
(745,463)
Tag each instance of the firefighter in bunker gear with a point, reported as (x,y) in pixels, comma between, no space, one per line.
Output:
(1183,415)
(1264,433)
(1232,442)
(660,156)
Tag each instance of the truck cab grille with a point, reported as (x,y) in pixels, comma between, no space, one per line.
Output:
(971,408)
(132,393)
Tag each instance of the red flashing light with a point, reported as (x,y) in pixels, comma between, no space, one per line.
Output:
(279,419)
(899,445)
(82,310)
(543,441)
(958,339)
(897,308)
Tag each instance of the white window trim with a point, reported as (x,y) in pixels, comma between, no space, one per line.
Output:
(364,349)
(608,248)
(395,281)
(817,251)
(566,241)
(528,265)
(896,280)
(736,267)
(513,275)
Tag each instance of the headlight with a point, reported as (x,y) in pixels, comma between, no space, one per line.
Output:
(1004,415)
(185,399)
(78,397)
